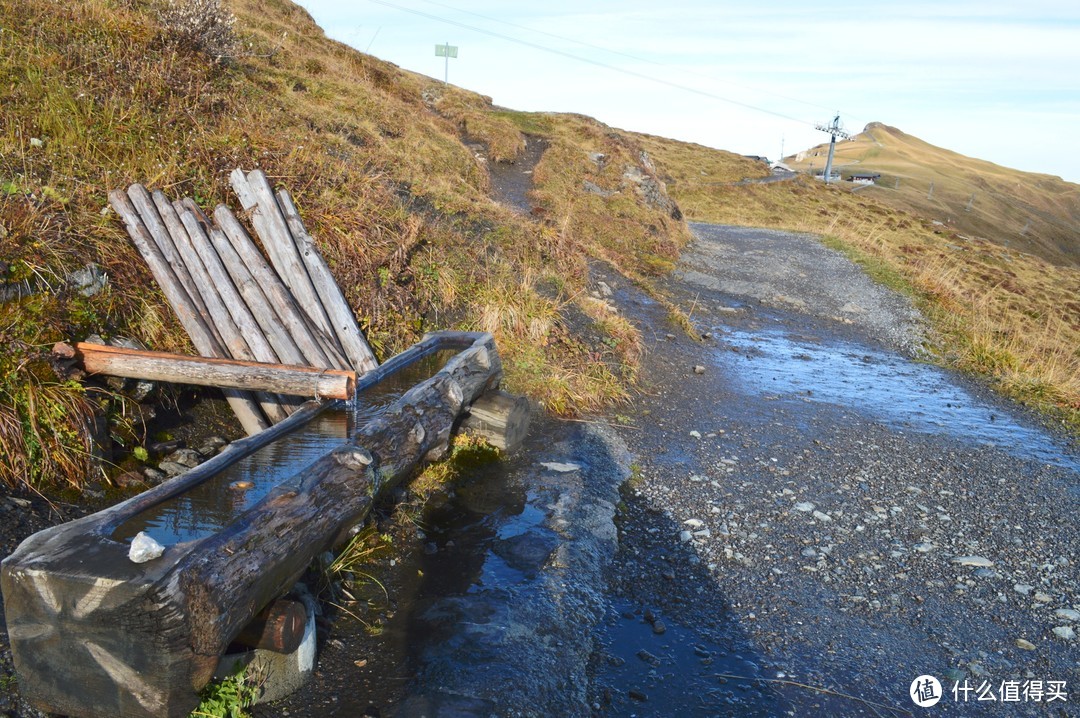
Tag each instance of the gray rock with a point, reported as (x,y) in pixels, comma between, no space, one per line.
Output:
(185,457)
(699,369)
(805,506)
(88,281)
(648,657)
(924,547)
(594,188)
(164,447)
(527,552)
(1065,632)
(822,516)
(128,479)
(694,523)
(154,476)
(659,627)
(1023,589)
(1024,644)
(605,289)
(1068,614)
(980,561)
(212,445)
(685,536)
(171,468)
(1043,597)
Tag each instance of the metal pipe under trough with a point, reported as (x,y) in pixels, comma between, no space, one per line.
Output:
(94,634)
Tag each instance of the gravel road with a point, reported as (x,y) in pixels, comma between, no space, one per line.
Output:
(811,507)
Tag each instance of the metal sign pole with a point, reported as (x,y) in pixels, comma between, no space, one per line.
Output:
(446,51)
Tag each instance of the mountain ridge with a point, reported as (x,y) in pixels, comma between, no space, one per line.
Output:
(1037,213)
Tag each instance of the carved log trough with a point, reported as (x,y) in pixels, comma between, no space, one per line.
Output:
(94,634)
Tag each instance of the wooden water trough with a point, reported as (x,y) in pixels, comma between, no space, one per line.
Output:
(94,634)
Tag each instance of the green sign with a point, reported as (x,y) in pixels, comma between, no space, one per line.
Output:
(446,51)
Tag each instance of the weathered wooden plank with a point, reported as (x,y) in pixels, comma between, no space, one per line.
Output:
(359,354)
(278,294)
(144,204)
(233,343)
(245,322)
(270,225)
(141,639)
(242,404)
(204,371)
(268,320)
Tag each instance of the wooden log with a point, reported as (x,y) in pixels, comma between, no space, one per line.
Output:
(499,418)
(263,312)
(270,225)
(279,627)
(275,235)
(242,318)
(233,344)
(242,403)
(357,351)
(93,634)
(204,371)
(144,204)
(278,294)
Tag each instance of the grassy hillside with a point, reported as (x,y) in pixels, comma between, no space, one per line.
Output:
(98,94)
(1009,315)
(1034,213)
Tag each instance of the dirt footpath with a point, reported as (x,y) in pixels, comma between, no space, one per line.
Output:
(814,508)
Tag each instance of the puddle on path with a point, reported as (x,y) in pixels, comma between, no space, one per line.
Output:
(889,388)
(676,674)
(450,593)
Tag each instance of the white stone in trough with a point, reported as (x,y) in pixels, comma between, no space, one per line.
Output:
(144,548)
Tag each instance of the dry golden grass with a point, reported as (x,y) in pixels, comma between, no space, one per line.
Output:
(689,168)
(612,221)
(375,156)
(1035,213)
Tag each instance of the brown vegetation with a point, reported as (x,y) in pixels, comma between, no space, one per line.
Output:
(100,94)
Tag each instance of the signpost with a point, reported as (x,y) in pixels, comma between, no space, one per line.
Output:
(446,51)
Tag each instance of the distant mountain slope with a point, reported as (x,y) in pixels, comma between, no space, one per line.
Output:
(1034,213)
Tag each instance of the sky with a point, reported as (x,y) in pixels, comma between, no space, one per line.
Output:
(993,79)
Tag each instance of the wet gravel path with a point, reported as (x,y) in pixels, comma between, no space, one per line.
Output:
(813,509)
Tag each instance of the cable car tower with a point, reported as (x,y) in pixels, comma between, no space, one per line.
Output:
(836,130)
